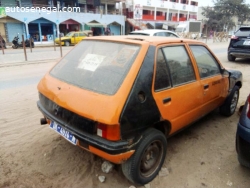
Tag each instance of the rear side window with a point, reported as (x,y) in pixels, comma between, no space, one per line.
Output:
(173,35)
(96,65)
(243,32)
(162,78)
(160,34)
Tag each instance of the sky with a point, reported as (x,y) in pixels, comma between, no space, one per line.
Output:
(210,2)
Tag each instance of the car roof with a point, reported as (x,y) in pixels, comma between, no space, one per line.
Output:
(151,31)
(141,39)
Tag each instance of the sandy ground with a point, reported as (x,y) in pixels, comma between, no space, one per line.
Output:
(32,155)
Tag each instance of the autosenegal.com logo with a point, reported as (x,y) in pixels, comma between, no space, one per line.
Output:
(48,10)
(2,11)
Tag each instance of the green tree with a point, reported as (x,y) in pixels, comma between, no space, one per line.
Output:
(220,16)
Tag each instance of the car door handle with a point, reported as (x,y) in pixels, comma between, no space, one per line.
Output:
(166,100)
(206,86)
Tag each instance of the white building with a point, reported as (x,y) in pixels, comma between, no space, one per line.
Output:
(161,11)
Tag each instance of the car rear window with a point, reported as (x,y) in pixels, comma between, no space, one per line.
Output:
(98,66)
(243,32)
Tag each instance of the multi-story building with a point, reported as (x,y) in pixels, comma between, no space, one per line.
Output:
(158,13)
(45,19)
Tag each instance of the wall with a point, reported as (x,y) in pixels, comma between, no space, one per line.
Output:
(115,29)
(2,30)
(13,29)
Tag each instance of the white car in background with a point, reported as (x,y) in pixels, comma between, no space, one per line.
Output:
(155,32)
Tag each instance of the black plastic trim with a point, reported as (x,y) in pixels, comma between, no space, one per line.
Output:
(111,147)
(136,116)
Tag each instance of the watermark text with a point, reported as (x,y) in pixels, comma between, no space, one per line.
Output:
(47,10)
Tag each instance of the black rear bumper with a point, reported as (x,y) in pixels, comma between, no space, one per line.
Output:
(87,139)
(241,53)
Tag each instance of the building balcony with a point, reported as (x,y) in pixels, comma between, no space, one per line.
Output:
(167,5)
(151,17)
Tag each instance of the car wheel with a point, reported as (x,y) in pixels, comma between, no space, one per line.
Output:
(66,43)
(144,165)
(14,46)
(229,106)
(243,162)
(231,58)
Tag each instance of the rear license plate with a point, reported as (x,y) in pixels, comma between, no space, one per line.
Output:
(246,42)
(66,134)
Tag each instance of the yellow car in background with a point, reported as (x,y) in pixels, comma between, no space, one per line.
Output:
(73,38)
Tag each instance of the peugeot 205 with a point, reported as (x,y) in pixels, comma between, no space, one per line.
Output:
(121,97)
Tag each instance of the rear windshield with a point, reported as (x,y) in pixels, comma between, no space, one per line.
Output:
(69,34)
(145,34)
(244,32)
(97,65)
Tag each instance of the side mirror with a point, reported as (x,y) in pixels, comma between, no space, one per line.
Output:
(225,73)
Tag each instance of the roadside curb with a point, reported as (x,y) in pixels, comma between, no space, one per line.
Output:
(28,62)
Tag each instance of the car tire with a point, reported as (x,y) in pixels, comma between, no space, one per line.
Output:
(67,43)
(231,58)
(229,106)
(144,165)
(243,162)
(14,46)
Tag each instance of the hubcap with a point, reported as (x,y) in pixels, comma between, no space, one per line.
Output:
(234,102)
(151,158)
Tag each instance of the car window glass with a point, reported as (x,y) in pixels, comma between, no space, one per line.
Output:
(179,63)
(167,34)
(76,34)
(243,32)
(172,35)
(81,35)
(69,34)
(146,34)
(161,34)
(162,79)
(206,63)
(98,66)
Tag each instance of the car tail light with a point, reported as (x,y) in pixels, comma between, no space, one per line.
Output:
(234,37)
(110,132)
(248,110)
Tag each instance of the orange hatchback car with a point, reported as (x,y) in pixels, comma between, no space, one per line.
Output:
(120,97)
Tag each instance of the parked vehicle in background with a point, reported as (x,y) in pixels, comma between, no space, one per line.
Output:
(120,97)
(189,27)
(243,135)
(155,32)
(73,38)
(16,44)
(239,46)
